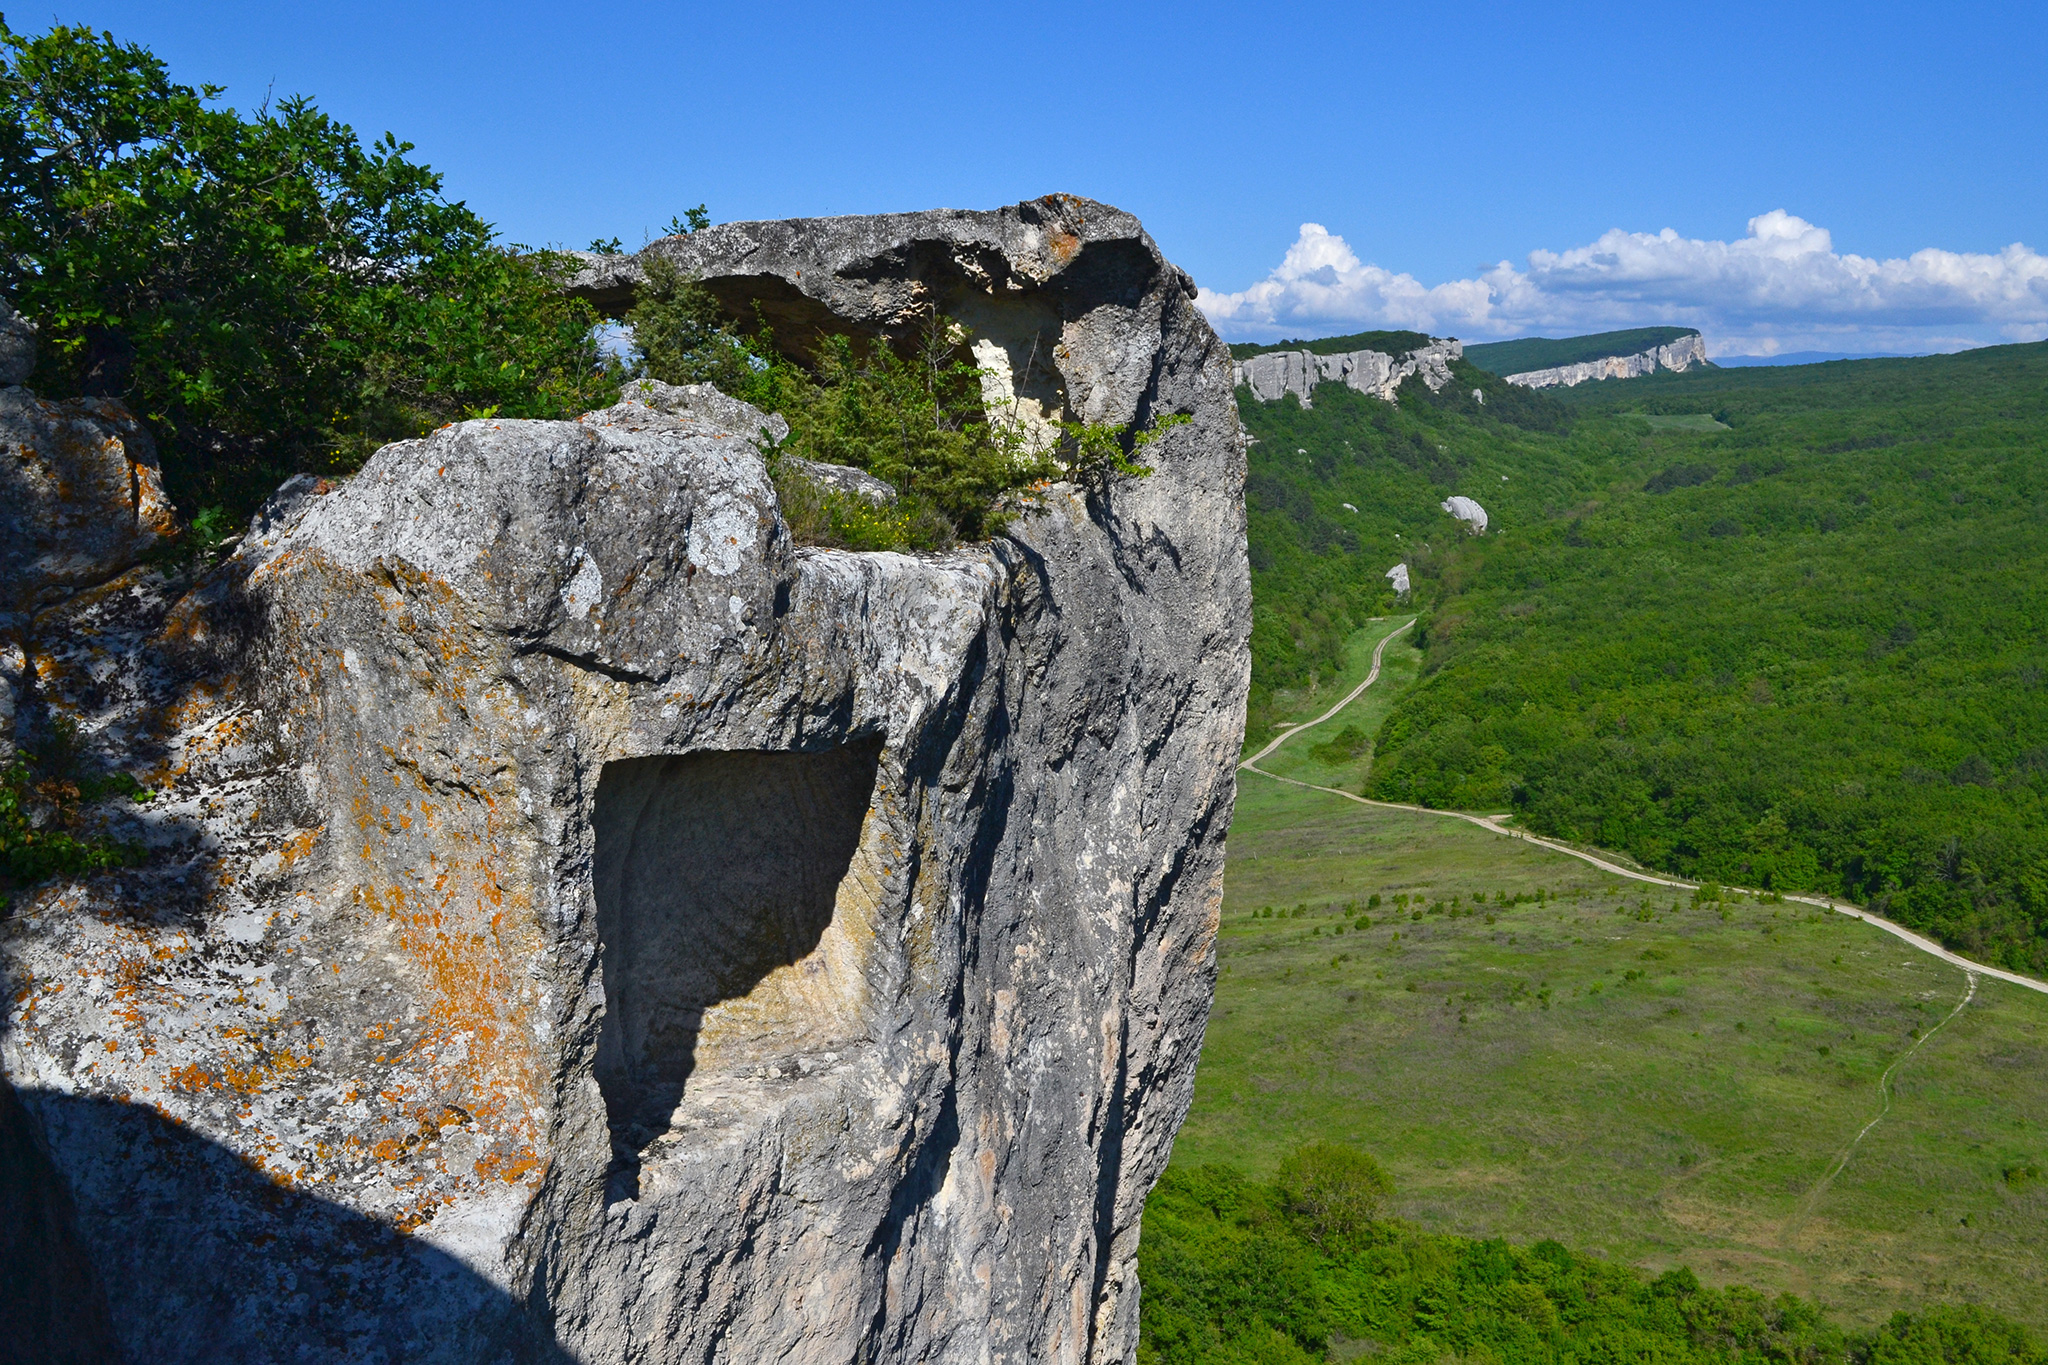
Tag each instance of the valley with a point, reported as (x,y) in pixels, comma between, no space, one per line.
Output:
(1672,1081)
(1763,627)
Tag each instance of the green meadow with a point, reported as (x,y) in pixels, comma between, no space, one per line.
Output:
(1536,1049)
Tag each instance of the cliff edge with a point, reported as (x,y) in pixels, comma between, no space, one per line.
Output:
(579,923)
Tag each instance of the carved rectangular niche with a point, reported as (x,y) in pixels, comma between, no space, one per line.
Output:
(719,880)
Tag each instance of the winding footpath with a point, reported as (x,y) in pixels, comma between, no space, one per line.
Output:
(1607,864)
(1496,823)
(1884,1094)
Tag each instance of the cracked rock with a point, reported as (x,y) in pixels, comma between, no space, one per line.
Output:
(584,925)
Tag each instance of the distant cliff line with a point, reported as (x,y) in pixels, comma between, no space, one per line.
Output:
(1679,356)
(1273,373)
(1379,367)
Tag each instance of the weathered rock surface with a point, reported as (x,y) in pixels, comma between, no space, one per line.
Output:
(1680,355)
(1467,511)
(1273,373)
(704,404)
(80,501)
(842,478)
(1398,576)
(585,925)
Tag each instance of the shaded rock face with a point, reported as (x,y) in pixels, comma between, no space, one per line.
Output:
(17,346)
(1274,373)
(81,500)
(584,924)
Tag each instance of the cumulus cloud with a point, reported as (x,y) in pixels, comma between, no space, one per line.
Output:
(1781,287)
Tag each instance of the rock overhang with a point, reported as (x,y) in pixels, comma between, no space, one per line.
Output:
(1041,285)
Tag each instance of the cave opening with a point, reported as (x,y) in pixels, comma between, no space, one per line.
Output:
(713,870)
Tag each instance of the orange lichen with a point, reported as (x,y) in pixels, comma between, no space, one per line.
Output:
(300,844)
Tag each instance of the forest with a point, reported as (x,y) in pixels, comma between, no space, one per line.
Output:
(1240,1271)
(1773,627)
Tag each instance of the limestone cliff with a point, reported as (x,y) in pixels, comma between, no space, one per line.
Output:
(1679,356)
(582,924)
(1273,373)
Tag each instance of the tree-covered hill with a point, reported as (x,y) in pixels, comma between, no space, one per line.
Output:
(1774,626)
(1239,1271)
(1543,353)
(1390,343)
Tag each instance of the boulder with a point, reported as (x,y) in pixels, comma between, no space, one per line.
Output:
(81,498)
(1467,511)
(843,478)
(702,403)
(81,503)
(584,925)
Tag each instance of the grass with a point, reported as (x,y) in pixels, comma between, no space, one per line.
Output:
(1661,1086)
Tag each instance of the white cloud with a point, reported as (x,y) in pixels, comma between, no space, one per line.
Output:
(1782,287)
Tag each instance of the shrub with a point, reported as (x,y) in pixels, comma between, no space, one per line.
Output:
(43,797)
(1348,745)
(916,421)
(1333,1192)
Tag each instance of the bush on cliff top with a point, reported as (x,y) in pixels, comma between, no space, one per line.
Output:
(265,291)
(916,421)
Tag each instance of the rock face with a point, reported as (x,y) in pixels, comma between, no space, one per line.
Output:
(584,925)
(80,501)
(1680,355)
(1398,576)
(1274,373)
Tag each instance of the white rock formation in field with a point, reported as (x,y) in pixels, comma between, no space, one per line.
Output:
(1467,511)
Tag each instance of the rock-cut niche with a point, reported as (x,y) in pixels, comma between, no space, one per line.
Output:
(716,879)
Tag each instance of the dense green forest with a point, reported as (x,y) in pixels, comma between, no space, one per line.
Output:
(1793,641)
(1338,494)
(1542,353)
(1389,343)
(1235,1271)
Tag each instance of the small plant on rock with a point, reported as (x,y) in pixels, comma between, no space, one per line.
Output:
(43,799)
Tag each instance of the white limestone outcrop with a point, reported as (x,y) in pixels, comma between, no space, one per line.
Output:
(1375,372)
(1467,511)
(578,924)
(1680,356)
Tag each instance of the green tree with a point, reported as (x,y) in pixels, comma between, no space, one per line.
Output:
(268,293)
(1334,1191)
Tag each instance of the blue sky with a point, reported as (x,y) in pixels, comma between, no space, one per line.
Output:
(1425,145)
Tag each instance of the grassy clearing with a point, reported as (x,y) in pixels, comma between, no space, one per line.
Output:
(1657,1085)
(1302,704)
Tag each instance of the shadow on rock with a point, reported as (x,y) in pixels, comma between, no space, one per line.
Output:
(714,871)
(238,1267)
